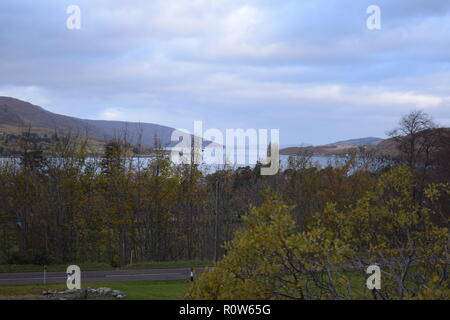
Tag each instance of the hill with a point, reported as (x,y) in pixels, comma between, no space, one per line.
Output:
(378,147)
(340,148)
(357,142)
(319,151)
(16,114)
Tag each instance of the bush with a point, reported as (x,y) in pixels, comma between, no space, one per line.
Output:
(41,259)
(17,257)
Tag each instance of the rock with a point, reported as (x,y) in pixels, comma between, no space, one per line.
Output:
(104,291)
(71,291)
(84,294)
(116,293)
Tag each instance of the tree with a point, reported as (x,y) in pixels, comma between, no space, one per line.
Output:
(390,228)
(411,135)
(270,259)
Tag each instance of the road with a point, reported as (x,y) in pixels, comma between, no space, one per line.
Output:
(97,276)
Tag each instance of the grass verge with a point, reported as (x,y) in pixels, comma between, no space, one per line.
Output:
(135,290)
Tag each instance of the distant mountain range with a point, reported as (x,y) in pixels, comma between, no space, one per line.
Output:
(302,144)
(375,146)
(340,148)
(357,142)
(15,113)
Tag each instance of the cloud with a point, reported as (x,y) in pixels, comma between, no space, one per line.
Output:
(28,93)
(112,114)
(232,63)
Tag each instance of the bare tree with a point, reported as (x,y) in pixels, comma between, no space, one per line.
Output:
(413,135)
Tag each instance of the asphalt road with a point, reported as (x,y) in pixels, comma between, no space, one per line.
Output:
(97,276)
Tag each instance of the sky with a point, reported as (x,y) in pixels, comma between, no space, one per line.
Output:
(310,68)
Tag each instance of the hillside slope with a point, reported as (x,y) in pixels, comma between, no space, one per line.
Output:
(357,142)
(17,113)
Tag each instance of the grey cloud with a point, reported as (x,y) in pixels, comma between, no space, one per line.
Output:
(171,62)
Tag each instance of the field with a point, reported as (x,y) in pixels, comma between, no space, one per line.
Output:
(135,290)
